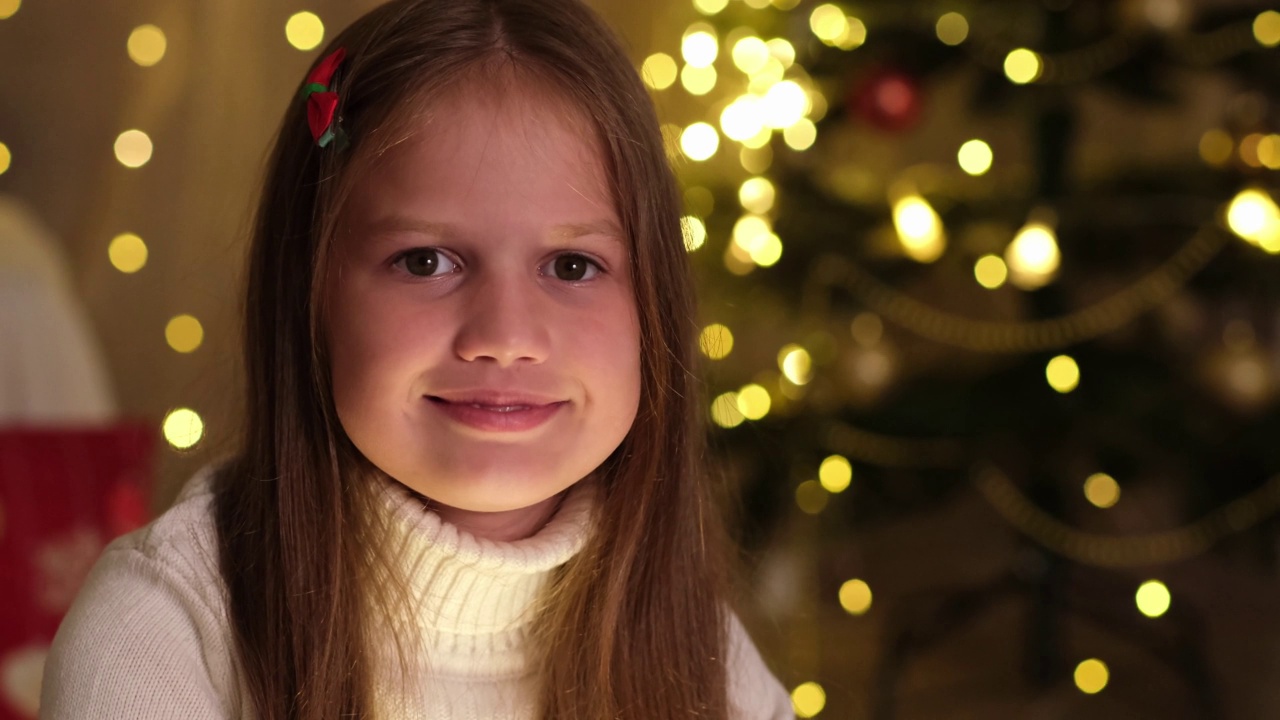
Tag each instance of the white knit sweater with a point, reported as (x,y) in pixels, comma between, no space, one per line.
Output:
(148,635)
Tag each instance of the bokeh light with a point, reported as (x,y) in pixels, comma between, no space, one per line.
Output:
(659,71)
(808,699)
(127,253)
(698,80)
(1255,218)
(715,341)
(6,158)
(710,7)
(184,333)
(699,141)
(811,497)
(1091,676)
(754,401)
(183,428)
(952,28)
(801,135)
(1266,28)
(919,228)
(1216,147)
(1033,256)
(304,30)
(795,363)
(835,473)
(147,45)
(990,271)
(1102,490)
(1063,373)
(757,195)
(1023,66)
(750,54)
(975,157)
(133,148)
(694,232)
(725,412)
(855,596)
(8,8)
(1153,598)
(700,47)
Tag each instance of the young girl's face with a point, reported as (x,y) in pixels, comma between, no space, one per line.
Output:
(481,321)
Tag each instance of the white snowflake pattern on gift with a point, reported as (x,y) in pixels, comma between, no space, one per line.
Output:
(62,564)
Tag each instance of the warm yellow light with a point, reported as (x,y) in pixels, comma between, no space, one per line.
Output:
(1023,66)
(784,104)
(698,80)
(854,35)
(1153,598)
(1216,147)
(737,261)
(783,51)
(952,28)
(756,4)
(835,473)
(1255,218)
(146,45)
(800,136)
(786,4)
(700,48)
(1102,490)
(828,23)
(710,7)
(715,341)
(757,195)
(754,402)
(1033,257)
(699,141)
(304,30)
(1091,676)
(183,428)
(808,699)
(6,158)
(750,54)
(990,271)
(975,157)
(1266,28)
(742,119)
(811,497)
(127,252)
(867,329)
(817,105)
(659,71)
(795,363)
(855,597)
(751,232)
(766,77)
(694,232)
(1063,373)
(759,141)
(8,8)
(1249,149)
(919,228)
(769,252)
(725,412)
(184,333)
(755,159)
(1269,152)
(133,148)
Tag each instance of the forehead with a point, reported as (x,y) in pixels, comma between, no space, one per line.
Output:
(486,148)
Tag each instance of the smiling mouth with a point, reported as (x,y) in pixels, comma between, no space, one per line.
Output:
(487,406)
(501,415)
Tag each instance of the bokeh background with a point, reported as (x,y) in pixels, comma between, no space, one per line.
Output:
(989,307)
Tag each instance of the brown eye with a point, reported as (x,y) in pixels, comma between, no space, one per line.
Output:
(424,262)
(573,268)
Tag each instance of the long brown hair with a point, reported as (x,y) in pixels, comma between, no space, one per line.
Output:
(632,627)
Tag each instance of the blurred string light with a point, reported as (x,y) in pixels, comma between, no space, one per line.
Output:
(699,141)
(1253,215)
(6,158)
(975,157)
(1268,152)
(835,473)
(659,71)
(127,253)
(919,228)
(1102,490)
(1033,256)
(754,401)
(183,428)
(990,271)
(743,118)
(700,46)
(796,364)
(855,596)
(1153,598)
(1216,147)
(1091,676)
(725,412)
(694,232)
(710,7)
(133,148)
(304,30)
(1063,374)
(8,8)
(1266,28)
(757,195)
(783,51)
(1023,66)
(756,4)
(784,104)
(715,341)
(755,160)
(146,45)
(811,497)
(808,699)
(1249,149)
(801,135)
(184,333)
(750,54)
(698,80)
(952,28)
(833,27)
(753,238)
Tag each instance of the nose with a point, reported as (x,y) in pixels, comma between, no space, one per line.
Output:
(503,322)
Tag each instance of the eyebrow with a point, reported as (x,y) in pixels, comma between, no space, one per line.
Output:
(568,231)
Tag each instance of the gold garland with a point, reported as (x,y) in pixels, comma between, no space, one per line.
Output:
(1022,337)
(1111,551)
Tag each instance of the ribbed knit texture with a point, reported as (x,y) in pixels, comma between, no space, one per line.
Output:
(148,636)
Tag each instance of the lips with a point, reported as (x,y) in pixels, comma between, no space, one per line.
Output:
(497,412)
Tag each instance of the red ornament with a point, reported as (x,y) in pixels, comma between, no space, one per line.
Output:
(887,99)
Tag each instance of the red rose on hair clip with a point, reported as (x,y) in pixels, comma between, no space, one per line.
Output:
(322,103)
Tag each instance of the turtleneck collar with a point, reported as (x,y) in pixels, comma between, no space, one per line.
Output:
(476,597)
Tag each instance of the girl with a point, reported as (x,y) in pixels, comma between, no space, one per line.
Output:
(469,484)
